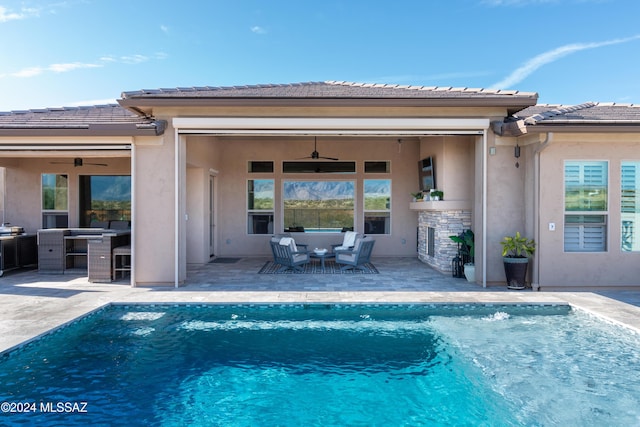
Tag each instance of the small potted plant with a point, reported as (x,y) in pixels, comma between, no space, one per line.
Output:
(436,195)
(465,240)
(417,197)
(516,251)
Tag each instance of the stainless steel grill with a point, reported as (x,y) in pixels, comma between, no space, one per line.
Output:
(7,229)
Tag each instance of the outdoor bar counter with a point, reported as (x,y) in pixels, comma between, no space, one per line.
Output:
(72,249)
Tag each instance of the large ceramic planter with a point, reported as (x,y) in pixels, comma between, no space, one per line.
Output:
(470,272)
(515,269)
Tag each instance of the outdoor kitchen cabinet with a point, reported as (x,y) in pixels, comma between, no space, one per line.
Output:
(100,250)
(17,252)
(51,250)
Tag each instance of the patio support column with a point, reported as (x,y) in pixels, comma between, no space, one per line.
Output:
(484,208)
(176,266)
(535,274)
(180,214)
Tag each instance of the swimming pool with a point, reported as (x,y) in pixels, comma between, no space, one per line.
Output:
(440,364)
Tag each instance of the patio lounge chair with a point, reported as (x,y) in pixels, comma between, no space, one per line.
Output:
(287,255)
(348,242)
(277,237)
(356,257)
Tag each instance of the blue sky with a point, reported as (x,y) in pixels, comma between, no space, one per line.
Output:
(85,52)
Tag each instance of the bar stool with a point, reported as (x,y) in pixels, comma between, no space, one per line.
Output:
(121,260)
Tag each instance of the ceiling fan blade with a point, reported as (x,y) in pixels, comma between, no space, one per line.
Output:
(315,155)
(78,162)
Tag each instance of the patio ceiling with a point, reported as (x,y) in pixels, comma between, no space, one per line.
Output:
(329,126)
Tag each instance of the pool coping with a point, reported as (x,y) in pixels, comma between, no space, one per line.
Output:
(29,317)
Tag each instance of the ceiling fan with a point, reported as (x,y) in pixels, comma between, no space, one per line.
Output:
(315,155)
(77,162)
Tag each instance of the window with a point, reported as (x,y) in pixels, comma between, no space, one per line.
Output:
(319,167)
(260,167)
(377,206)
(585,205)
(377,167)
(629,206)
(104,198)
(55,200)
(318,206)
(260,206)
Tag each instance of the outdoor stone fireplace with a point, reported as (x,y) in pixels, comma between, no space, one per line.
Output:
(436,222)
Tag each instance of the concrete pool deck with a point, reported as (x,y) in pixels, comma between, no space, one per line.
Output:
(34,303)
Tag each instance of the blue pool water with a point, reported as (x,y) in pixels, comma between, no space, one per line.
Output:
(321,365)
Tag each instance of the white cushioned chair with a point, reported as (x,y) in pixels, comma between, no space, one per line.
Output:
(348,241)
(356,257)
(287,254)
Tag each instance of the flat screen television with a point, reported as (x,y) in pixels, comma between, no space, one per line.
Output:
(427,174)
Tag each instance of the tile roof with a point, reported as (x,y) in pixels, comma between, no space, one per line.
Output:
(326,89)
(589,112)
(608,116)
(66,120)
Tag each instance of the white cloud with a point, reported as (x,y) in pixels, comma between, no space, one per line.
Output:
(72,66)
(258,30)
(63,68)
(28,72)
(134,59)
(6,15)
(545,58)
(164,29)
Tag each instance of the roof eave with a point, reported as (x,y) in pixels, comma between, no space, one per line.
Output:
(573,128)
(152,129)
(513,104)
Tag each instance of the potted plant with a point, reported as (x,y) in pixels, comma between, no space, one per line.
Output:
(417,197)
(436,195)
(516,251)
(465,240)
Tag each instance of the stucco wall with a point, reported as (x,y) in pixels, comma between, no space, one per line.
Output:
(154,217)
(561,269)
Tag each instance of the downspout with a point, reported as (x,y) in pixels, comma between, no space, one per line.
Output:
(132,239)
(484,208)
(535,282)
(176,236)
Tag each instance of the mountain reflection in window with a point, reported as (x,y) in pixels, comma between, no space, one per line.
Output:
(318,206)
(104,198)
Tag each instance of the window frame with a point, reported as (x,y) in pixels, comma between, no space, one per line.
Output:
(254,214)
(629,208)
(284,182)
(371,224)
(51,217)
(86,221)
(583,231)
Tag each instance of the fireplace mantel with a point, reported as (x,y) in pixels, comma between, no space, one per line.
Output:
(441,205)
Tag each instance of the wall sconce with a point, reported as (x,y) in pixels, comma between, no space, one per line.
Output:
(516,154)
